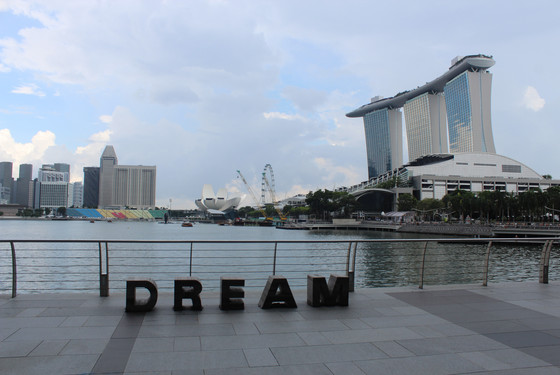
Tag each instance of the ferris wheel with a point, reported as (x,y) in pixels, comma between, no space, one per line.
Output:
(268,185)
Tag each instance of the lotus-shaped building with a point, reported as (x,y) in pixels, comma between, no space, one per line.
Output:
(218,202)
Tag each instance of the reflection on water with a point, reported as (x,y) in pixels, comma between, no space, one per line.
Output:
(75,266)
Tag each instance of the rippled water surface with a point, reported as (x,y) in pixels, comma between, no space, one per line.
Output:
(75,267)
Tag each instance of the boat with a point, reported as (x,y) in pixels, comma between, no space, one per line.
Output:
(187,224)
(239,222)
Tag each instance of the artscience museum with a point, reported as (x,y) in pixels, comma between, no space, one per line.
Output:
(216,203)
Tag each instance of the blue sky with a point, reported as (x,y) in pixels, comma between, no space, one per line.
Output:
(204,88)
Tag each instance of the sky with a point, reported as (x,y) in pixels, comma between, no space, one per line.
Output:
(202,89)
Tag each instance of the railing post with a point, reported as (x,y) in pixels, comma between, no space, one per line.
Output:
(190,261)
(486,262)
(274,260)
(103,271)
(421,283)
(545,261)
(14,270)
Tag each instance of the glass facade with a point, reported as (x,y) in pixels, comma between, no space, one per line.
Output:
(459,114)
(378,142)
(418,127)
(91,187)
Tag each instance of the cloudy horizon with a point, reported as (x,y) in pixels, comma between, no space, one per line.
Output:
(202,89)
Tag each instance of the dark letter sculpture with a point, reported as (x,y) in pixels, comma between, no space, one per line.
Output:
(140,306)
(321,294)
(277,293)
(231,297)
(187,288)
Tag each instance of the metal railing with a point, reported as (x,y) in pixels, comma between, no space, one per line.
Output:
(34,266)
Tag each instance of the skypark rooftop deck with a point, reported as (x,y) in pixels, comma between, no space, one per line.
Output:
(472,62)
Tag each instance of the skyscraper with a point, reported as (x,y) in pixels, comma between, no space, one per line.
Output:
(383,129)
(125,185)
(468,112)
(107,165)
(91,187)
(460,97)
(425,120)
(24,185)
(6,181)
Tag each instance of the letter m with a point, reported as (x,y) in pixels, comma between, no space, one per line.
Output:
(319,293)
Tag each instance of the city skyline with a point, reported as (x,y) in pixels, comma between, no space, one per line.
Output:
(203,89)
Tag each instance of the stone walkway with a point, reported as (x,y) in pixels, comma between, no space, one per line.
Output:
(511,328)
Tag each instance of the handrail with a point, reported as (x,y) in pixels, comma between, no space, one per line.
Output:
(349,265)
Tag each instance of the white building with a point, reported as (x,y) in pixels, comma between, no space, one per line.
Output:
(122,186)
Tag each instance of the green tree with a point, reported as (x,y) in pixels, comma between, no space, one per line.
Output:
(460,202)
(406,202)
(325,203)
(61,211)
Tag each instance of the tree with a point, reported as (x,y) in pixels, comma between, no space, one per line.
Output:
(61,211)
(326,203)
(406,202)
(547,177)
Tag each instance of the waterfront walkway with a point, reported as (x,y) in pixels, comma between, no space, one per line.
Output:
(511,328)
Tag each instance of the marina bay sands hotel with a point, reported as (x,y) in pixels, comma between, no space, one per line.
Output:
(458,101)
(449,135)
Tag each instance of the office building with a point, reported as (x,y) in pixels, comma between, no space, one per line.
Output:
(75,196)
(125,185)
(91,187)
(53,187)
(23,184)
(458,101)
(6,181)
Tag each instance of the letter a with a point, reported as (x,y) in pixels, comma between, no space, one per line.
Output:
(277,293)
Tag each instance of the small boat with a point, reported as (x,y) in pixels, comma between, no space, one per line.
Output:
(186,224)
(92,221)
(238,222)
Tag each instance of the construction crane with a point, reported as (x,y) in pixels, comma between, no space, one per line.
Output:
(260,207)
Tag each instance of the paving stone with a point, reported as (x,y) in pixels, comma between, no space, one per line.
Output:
(49,347)
(326,353)
(260,357)
(393,349)
(443,364)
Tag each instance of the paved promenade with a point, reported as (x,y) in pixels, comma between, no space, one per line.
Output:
(511,328)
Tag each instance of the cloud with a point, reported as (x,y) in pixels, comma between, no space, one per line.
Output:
(532,100)
(25,152)
(30,89)
(106,119)
(283,116)
(305,99)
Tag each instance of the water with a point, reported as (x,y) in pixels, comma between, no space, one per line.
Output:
(75,267)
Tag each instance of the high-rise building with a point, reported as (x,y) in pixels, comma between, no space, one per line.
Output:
(125,185)
(53,189)
(23,185)
(6,181)
(107,163)
(383,129)
(91,187)
(468,112)
(77,195)
(425,125)
(460,99)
